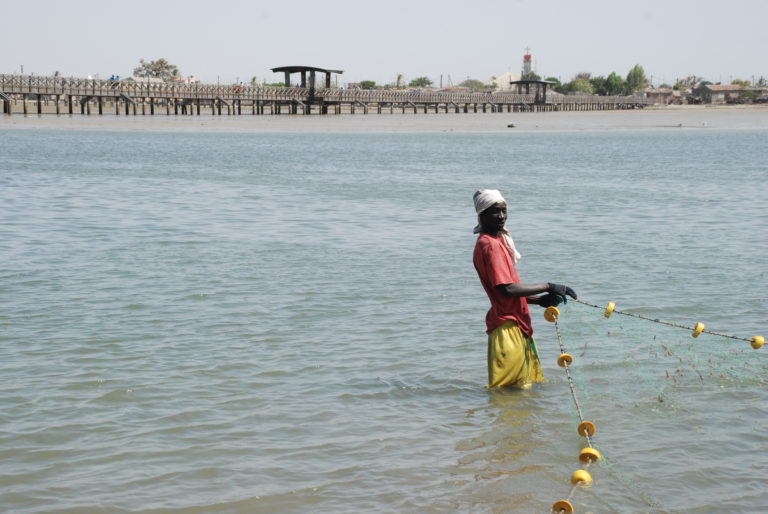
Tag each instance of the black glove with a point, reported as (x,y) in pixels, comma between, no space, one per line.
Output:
(561,290)
(551,300)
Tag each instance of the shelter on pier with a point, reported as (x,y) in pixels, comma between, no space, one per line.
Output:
(540,88)
(288,70)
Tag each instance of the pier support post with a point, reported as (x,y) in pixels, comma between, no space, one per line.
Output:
(7,106)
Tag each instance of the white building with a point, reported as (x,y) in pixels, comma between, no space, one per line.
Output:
(501,83)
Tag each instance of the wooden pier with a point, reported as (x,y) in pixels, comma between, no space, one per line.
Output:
(71,96)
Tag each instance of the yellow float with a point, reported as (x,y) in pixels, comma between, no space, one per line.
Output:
(698,329)
(564,360)
(581,477)
(609,309)
(757,342)
(551,314)
(586,427)
(562,506)
(589,455)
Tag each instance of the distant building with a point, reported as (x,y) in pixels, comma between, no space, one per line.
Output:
(660,95)
(718,94)
(503,81)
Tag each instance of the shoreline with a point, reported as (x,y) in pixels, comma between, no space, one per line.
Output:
(723,117)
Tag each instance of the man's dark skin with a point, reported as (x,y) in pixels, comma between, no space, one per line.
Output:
(492,220)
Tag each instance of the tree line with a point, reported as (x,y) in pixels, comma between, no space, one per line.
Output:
(612,85)
(584,83)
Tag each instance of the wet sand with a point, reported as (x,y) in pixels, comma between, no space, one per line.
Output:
(672,118)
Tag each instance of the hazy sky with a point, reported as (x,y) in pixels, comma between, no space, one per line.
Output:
(228,40)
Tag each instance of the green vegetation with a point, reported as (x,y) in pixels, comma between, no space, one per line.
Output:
(530,76)
(614,84)
(749,94)
(636,80)
(420,82)
(599,85)
(578,85)
(368,84)
(160,69)
(473,84)
(606,86)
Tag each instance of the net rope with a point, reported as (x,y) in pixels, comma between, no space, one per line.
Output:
(564,505)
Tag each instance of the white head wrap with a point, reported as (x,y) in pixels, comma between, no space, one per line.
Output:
(485,198)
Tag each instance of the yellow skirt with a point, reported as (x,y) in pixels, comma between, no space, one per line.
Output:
(512,358)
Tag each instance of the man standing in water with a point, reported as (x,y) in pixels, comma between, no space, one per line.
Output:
(512,356)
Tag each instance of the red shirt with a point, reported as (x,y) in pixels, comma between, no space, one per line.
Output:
(494,266)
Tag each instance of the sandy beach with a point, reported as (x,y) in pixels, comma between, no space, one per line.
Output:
(654,118)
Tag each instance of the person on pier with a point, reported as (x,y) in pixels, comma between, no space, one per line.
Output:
(512,356)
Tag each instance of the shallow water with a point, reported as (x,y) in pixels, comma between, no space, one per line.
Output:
(262,322)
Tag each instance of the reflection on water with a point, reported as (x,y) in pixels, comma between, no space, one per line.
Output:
(498,457)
